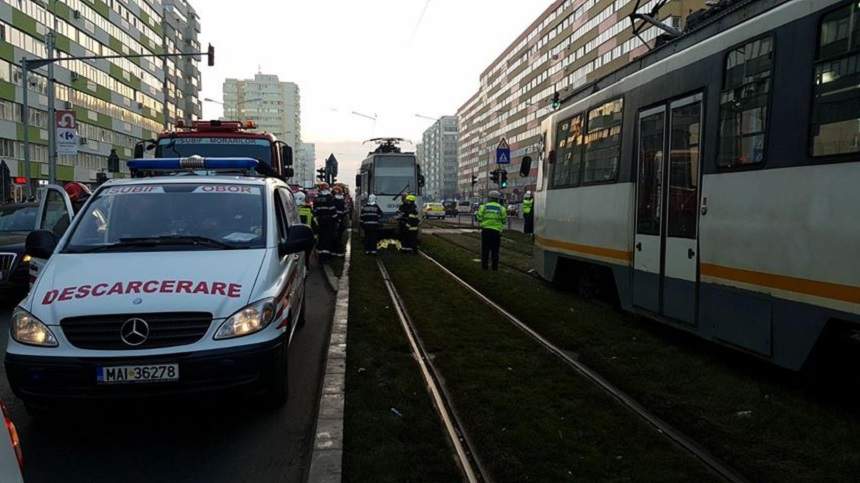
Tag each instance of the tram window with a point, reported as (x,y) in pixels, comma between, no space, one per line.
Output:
(836,102)
(684,170)
(603,142)
(649,207)
(744,103)
(568,159)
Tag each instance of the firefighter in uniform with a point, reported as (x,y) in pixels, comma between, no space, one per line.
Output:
(528,213)
(371,215)
(409,220)
(492,216)
(340,222)
(325,213)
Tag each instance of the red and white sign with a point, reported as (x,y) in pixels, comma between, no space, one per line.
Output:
(67,133)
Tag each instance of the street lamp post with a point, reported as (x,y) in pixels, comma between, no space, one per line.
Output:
(30,64)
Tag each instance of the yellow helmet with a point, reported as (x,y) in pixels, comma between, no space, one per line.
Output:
(410,198)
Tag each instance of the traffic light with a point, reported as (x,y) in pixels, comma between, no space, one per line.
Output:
(321,174)
(556,101)
(210,55)
(474,180)
(504,179)
(494,176)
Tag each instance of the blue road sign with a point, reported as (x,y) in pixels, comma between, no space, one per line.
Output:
(503,153)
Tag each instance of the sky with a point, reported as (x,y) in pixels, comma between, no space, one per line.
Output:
(391,59)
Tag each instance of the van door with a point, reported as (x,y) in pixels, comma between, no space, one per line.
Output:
(55,215)
(666,261)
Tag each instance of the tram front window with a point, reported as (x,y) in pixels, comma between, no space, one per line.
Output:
(394,175)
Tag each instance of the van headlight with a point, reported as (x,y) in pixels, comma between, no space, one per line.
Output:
(29,330)
(253,318)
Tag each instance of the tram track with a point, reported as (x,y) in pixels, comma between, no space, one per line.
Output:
(712,463)
(463,448)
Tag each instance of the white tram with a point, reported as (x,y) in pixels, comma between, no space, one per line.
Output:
(714,183)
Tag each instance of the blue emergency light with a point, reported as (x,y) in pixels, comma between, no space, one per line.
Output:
(193,162)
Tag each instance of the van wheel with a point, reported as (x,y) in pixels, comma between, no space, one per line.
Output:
(277,389)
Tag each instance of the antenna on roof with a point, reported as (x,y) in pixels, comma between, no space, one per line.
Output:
(650,18)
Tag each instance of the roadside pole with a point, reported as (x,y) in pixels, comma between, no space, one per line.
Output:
(164,107)
(25,119)
(52,112)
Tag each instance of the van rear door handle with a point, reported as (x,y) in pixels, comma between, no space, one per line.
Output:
(639,246)
(690,253)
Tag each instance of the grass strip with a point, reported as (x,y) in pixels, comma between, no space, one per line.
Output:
(391,430)
(740,408)
(530,416)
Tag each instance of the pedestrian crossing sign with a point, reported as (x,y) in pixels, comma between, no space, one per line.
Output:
(503,152)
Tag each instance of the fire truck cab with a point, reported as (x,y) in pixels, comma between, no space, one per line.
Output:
(222,139)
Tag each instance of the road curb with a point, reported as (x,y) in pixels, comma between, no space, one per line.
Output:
(327,456)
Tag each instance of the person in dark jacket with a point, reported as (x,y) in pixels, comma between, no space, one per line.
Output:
(340,222)
(409,221)
(371,217)
(325,213)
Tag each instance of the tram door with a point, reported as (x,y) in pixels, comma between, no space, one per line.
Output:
(665,257)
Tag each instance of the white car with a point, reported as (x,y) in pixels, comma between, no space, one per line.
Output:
(163,285)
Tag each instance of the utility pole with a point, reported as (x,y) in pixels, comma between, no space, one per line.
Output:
(164,67)
(52,111)
(25,119)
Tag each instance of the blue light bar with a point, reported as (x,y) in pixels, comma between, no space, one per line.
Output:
(194,162)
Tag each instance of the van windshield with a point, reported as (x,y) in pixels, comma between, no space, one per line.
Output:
(155,217)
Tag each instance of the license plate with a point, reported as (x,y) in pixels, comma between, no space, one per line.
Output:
(137,374)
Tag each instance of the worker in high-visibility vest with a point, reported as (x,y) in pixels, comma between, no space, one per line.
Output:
(528,213)
(493,217)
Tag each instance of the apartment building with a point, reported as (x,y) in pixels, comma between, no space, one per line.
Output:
(305,159)
(182,28)
(572,43)
(437,155)
(274,105)
(117,102)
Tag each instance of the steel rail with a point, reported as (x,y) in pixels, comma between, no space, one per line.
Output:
(710,461)
(466,457)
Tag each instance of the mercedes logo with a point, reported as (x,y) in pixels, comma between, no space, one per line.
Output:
(134,332)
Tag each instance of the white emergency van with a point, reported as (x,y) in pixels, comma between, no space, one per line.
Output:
(188,281)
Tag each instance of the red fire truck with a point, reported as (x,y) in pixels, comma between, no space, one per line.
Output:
(219,139)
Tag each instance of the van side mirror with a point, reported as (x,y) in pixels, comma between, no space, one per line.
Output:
(300,238)
(143,145)
(287,154)
(40,244)
(289,173)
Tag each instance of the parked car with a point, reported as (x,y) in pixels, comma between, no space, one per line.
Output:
(16,222)
(434,210)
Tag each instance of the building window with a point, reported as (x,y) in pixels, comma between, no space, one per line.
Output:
(603,142)
(835,127)
(744,103)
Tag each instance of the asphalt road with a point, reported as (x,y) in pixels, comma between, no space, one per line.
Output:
(219,439)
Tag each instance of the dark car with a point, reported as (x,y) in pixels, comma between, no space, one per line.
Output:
(16,222)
